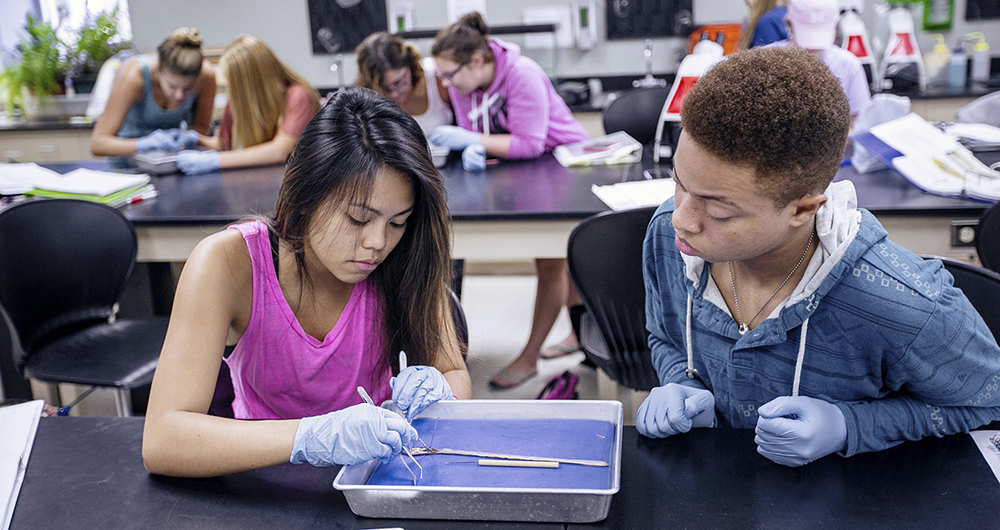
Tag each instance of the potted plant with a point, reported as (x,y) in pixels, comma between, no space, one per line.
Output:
(97,41)
(39,73)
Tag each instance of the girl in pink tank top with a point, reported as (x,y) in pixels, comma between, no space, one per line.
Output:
(316,301)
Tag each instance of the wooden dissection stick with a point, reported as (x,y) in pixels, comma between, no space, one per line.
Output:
(517,463)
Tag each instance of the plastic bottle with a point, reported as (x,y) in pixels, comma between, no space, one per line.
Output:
(936,61)
(957,69)
(980,57)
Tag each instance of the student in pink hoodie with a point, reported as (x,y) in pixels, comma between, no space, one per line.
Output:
(506,107)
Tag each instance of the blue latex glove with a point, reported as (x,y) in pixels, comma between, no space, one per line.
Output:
(186,139)
(454,138)
(417,387)
(351,436)
(794,431)
(194,162)
(474,158)
(158,139)
(674,408)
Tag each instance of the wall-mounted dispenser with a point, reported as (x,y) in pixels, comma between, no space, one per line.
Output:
(584,28)
(403,18)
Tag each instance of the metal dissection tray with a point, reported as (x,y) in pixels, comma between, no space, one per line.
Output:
(155,162)
(567,502)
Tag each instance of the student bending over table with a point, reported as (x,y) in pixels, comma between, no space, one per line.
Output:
(154,97)
(774,303)
(506,107)
(352,269)
(269,105)
(395,70)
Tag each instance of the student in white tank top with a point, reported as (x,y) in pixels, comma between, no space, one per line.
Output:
(395,70)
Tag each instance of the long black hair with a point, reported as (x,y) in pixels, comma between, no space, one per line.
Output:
(342,149)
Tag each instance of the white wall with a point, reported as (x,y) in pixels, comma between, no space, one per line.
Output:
(284,26)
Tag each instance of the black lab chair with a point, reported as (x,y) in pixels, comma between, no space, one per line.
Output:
(636,112)
(988,238)
(605,264)
(980,285)
(63,265)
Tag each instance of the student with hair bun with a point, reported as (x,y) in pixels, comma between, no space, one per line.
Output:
(162,101)
(269,106)
(506,107)
(396,71)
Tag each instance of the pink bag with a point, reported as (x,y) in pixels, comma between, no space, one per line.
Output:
(562,386)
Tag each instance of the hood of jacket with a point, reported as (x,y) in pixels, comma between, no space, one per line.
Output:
(838,225)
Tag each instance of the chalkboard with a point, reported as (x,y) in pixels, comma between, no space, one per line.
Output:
(338,26)
(641,19)
(982,9)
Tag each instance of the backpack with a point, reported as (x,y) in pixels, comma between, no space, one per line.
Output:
(562,386)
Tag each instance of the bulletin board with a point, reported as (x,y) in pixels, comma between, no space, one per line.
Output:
(982,9)
(643,19)
(338,26)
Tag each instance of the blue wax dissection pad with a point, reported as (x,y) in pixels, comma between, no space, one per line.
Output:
(554,438)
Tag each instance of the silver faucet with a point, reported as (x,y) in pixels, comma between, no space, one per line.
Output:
(649,81)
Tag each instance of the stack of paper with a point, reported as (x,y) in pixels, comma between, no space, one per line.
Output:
(18,424)
(635,194)
(114,189)
(930,159)
(614,148)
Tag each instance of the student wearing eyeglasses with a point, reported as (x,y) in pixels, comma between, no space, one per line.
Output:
(506,107)
(396,71)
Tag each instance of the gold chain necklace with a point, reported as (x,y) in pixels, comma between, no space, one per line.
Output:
(743,328)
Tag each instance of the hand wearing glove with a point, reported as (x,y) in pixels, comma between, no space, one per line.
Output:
(158,139)
(351,436)
(417,387)
(474,158)
(194,162)
(186,139)
(794,431)
(674,408)
(454,138)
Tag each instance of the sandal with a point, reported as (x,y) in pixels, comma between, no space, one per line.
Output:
(558,350)
(517,379)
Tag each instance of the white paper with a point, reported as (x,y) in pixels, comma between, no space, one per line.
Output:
(913,135)
(16,179)
(80,180)
(635,194)
(990,451)
(18,424)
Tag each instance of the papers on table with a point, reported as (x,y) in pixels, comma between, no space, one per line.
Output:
(931,159)
(106,187)
(635,194)
(18,424)
(614,148)
(989,449)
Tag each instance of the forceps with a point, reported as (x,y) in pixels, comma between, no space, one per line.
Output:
(368,399)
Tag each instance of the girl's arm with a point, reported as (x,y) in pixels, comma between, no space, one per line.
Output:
(497,145)
(212,301)
(275,151)
(126,91)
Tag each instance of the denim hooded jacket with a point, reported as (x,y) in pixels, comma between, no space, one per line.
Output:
(871,327)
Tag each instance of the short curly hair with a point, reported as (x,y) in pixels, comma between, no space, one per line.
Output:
(778,110)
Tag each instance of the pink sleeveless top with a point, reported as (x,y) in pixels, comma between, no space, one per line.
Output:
(281,372)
